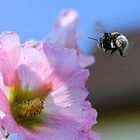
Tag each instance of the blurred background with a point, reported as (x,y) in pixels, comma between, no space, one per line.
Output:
(114,83)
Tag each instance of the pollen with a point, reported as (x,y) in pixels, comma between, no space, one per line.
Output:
(30,108)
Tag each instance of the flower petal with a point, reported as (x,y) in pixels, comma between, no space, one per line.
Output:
(9,54)
(68,82)
(35,59)
(28,79)
(64,35)
(66,18)
(86,60)
(9,41)
(94,135)
(59,127)
(63,63)
(8,118)
(7,70)
(2,137)
(69,99)
(4,105)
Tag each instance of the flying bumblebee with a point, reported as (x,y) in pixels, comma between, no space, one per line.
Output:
(113,41)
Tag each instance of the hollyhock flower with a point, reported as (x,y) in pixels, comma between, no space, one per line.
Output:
(64,35)
(42,95)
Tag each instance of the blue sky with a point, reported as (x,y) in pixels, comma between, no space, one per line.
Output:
(32,19)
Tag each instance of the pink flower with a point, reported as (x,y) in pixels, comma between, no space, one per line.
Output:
(42,95)
(64,35)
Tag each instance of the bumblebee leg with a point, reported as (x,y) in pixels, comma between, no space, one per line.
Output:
(121,53)
(113,50)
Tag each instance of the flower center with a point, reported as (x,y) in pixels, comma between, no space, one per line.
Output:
(29,113)
(30,108)
(27,106)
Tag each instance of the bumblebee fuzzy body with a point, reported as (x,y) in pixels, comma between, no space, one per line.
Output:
(113,41)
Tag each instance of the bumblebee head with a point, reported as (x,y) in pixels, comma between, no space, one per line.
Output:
(122,42)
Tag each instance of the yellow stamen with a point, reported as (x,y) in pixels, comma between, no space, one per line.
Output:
(30,108)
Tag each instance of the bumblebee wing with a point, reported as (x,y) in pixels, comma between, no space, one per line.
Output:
(99,28)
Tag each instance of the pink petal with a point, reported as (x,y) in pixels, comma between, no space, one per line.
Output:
(63,63)
(69,99)
(69,95)
(64,35)
(29,43)
(7,120)
(4,105)
(9,41)
(35,60)
(7,115)
(7,70)
(2,115)
(9,54)
(86,60)
(66,18)
(59,127)
(2,137)
(33,69)
(3,88)
(28,78)
(94,135)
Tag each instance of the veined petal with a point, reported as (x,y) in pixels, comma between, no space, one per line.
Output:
(70,91)
(59,127)
(69,99)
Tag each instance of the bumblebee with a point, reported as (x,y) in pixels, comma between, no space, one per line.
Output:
(112,42)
